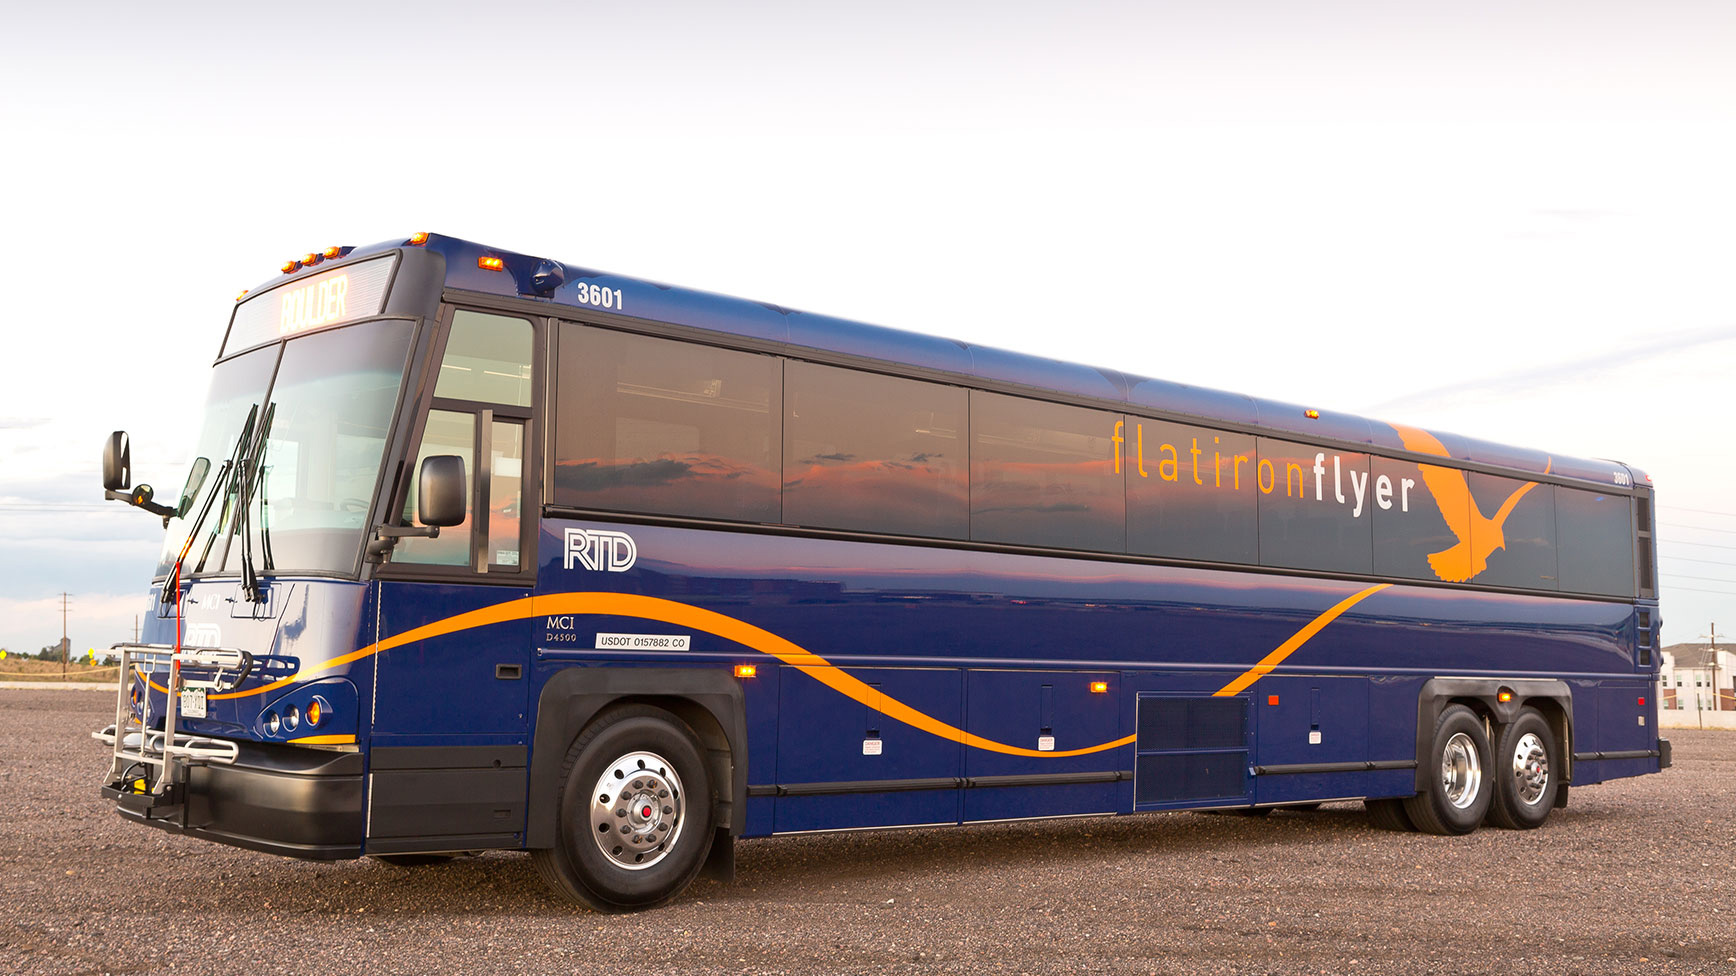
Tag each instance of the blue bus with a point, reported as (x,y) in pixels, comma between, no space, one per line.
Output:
(484,551)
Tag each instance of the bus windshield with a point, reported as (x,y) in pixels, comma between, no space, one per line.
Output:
(325,423)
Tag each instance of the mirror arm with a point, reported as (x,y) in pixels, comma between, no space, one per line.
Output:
(140,497)
(386,538)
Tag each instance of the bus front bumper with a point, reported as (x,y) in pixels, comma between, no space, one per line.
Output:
(298,802)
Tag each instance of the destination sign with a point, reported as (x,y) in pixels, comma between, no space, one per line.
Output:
(318,301)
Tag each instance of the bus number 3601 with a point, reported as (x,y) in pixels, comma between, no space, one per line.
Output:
(598,295)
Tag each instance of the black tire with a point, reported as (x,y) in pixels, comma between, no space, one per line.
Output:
(412,860)
(1527,773)
(620,743)
(1388,815)
(1458,771)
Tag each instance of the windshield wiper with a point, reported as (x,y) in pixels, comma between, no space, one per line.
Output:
(252,479)
(223,485)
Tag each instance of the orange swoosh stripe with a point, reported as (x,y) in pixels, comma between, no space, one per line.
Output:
(768,643)
(1296,640)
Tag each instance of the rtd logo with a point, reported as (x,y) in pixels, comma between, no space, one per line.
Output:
(600,550)
(202,635)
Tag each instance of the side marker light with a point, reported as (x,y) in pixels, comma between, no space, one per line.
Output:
(1099,687)
(491,264)
(746,670)
(1311,414)
(1503,696)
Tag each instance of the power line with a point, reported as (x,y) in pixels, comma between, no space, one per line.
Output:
(1697,511)
(1698,528)
(1684,542)
(1695,589)
(1707,579)
(1685,559)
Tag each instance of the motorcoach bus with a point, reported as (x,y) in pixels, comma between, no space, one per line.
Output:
(484,551)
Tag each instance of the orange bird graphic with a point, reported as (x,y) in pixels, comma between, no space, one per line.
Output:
(1478,536)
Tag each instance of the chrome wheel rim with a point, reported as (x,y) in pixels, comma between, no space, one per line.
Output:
(636,810)
(1530,768)
(1461,771)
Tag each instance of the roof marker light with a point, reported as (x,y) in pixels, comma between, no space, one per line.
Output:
(310,259)
(290,266)
(332,253)
(1311,414)
(418,239)
(746,670)
(491,264)
(243,294)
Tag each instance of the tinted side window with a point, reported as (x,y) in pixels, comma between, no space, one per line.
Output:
(1594,537)
(1314,507)
(1044,474)
(1513,528)
(871,452)
(1413,524)
(1190,492)
(655,425)
(487,359)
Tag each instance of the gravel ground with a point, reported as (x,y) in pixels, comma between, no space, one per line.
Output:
(1635,876)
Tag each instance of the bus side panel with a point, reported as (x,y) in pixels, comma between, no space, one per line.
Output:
(833,751)
(1307,721)
(1046,711)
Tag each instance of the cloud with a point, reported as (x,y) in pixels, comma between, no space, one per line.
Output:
(21,423)
(1578,371)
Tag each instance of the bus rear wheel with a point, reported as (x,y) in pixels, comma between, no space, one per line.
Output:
(633,819)
(1458,762)
(1526,782)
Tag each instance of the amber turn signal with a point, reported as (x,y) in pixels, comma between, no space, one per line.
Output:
(745,670)
(1099,687)
(491,264)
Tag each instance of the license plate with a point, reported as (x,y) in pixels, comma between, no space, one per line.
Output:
(192,703)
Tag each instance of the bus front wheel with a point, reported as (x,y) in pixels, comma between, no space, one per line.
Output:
(1459,773)
(1525,773)
(633,819)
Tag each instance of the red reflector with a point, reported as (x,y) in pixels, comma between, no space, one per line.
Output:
(1642,699)
(1271,699)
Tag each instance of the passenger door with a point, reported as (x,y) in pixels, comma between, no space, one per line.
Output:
(450,733)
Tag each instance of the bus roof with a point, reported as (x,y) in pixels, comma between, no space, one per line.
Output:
(779,329)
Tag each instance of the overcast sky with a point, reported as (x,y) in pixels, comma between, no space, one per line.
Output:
(1511,220)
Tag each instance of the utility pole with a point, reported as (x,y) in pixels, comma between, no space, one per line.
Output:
(1713,657)
(65,642)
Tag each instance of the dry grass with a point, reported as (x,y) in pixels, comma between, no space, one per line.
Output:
(26,669)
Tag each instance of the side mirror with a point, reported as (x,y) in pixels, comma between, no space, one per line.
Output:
(441,497)
(117,462)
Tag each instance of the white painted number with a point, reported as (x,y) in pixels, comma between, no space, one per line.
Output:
(1623,478)
(598,295)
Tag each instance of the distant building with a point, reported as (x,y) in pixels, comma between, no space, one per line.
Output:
(1695,677)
